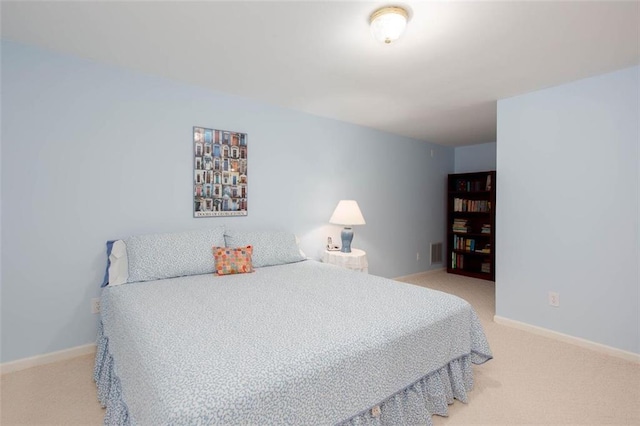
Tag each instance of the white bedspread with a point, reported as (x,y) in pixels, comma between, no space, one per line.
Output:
(304,343)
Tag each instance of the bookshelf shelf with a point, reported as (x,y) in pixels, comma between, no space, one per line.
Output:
(471,200)
(469,234)
(469,193)
(472,253)
(472,213)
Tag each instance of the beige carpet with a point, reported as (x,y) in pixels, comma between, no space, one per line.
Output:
(531,380)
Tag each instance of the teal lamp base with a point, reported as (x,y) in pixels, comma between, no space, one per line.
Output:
(347,237)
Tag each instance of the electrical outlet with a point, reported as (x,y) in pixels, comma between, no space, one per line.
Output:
(554,299)
(417,256)
(95,305)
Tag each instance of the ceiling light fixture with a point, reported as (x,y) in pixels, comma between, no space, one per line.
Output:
(388,23)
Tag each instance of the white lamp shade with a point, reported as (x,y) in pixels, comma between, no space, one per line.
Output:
(388,24)
(347,213)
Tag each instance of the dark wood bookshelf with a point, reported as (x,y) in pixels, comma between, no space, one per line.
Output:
(471,204)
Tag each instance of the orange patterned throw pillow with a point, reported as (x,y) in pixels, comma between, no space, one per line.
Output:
(233,260)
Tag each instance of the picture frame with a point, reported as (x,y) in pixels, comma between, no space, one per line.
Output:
(220,166)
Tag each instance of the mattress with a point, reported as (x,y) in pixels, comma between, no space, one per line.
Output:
(302,343)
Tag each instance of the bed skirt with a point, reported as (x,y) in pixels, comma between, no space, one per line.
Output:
(432,394)
(108,383)
(413,405)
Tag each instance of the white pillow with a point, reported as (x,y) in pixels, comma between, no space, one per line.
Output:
(118,264)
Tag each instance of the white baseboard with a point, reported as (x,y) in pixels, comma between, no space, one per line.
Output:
(598,347)
(430,271)
(34,361)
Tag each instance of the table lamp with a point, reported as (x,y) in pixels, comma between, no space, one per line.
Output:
(347,213)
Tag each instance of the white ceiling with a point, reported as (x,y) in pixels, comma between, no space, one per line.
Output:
(438,83)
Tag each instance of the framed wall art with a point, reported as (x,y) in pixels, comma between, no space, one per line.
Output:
(220,173)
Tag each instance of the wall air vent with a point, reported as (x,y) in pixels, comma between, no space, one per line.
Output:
(436,253)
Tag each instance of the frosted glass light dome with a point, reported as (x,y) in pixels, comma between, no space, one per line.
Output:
(388,23)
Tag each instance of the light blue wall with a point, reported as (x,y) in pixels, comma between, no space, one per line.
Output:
(92,152)
(475,158)
(567,209)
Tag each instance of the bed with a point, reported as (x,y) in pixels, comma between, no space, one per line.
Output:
(294,342)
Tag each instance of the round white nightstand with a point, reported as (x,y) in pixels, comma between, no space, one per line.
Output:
(356,260)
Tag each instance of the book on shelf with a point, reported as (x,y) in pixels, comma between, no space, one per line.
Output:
(461,243)
(476,185)
(485,267)
(457,261)
(486,229)
(469,245)
(464,205)
(486,249)
(460,225)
